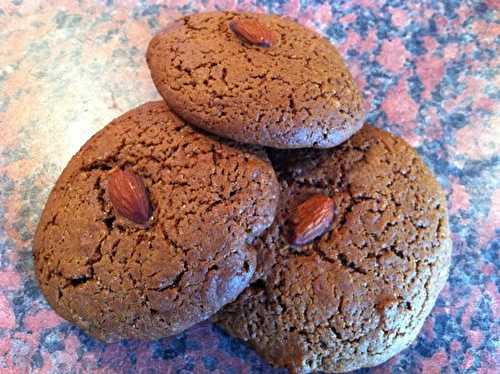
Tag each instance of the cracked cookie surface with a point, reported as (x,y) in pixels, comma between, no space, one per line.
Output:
(296,93)
(360,293)
(115,279)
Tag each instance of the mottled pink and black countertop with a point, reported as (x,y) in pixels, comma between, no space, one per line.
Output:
(430,71)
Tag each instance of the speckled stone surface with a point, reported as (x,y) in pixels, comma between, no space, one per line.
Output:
(430,72)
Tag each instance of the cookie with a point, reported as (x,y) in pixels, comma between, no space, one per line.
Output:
(359,293)
(255,78)
(147,230)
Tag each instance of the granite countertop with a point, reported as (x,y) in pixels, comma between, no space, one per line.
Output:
(430,72)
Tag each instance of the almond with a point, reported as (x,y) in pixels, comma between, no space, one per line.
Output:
(253,32)
(128,196)
(311,219)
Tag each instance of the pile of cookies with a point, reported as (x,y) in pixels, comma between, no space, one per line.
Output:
(253,195)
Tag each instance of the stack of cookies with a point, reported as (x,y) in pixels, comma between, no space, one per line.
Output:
(253,195)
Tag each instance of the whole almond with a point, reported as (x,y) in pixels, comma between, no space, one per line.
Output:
(128,196)
(311,219)
(253,32)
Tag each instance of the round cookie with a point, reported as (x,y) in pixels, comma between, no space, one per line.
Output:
(295,93)
(358,294)
(119,279)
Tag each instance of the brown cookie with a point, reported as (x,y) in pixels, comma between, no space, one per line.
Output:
(146,231)
(359,293)
(255,78)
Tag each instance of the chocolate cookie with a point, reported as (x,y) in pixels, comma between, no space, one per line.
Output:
(359,293)
(256,78)
(146,232)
